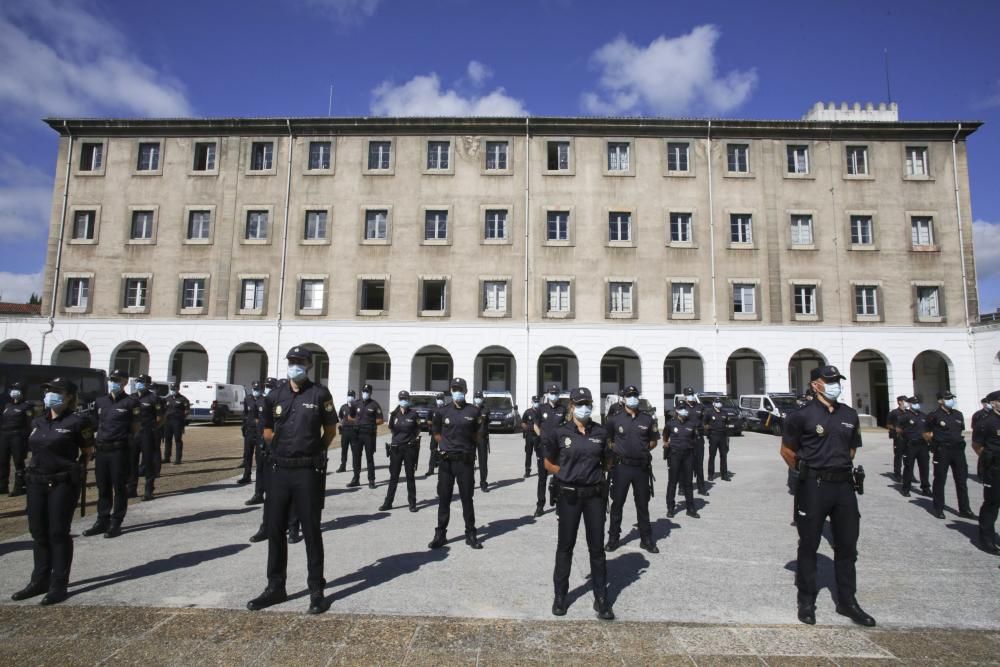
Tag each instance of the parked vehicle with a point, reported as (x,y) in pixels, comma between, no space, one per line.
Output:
(423,402)
(503,413)
(769,410)
(90,382)
(737,416)
(214,401)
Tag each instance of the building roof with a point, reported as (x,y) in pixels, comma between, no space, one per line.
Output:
(20,308)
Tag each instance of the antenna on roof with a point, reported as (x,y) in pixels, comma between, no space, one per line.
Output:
(329,106)
(888,88)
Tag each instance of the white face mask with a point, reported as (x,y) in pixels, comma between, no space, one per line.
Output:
(365,396)
(690,398)
(477,401)
(553,398)
(536,405)
(439,402)
(915,406)
(831,391)
(15,394)
(950,403)
(682,413)
(582,412)
(632,401)
(718,406)
(267,390)
(403,403)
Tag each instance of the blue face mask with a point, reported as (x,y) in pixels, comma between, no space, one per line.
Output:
(458,395)
(536,405)
(553,398)
(582,412)
(296,372)
(140,386)
(256,393)
(172,392)
(915,406)
(632,401)
(831,391)
(950,403)
(114,387)
(477,401)
(365,396)
(15,394)
(53,401)
(267,390)
(439,402)
(403,403)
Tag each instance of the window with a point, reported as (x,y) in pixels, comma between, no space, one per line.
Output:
(437,154)
(744,299)
(376,224)
(193,293)
(436,225)
(928,302)
(619,226)
(199,225)
(738,158)
(677,156)
(557,226)
(620,297)
(922,231)
(149,157)
(802,229)
(495,296)
(204,156)
(372,295)
(496,155)
(805,299)
(496,224)
(91,157)
(434,296)
(256,226)
(83,225)
(618,156)
(261,155)
(77,292)
(253,294)
(862,230)
(682,298)
(142,226)
(740,228)
(558,296)
(865,300)
(319,154)
(315,225)
(916,161)
(557,153)
(798,159)
(680,228)
(311,294)
(136,292)
(857,160)
(379,153)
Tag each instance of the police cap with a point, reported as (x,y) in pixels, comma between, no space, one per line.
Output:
(993,396)
(825,373)
(459,384)
(903,398)
(534,399)
(552,388)
(404,395)
(255,385)
(580,395)
(688,391)
(16,385)
(271,383)
(945,395)
(117,375)
(478,394)
(299,352)
(367,388)
(631,390)
(60,385)
(914,399)
(145,379)
(351,393)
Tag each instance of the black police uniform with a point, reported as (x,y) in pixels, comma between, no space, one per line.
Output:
(948,445)
(15,422)
(403,450)
(681,438)
(263,479)
(978,416)
(483,446)
(716,425)
(251,414)
(148,443)
(433,458)
(176,409)
(117,420)
(696,413)
(549,418)
(347,432)
(458,424)
(910,424)
(631,438)
(986,438)
(528,420)
(366,414)
(898,446)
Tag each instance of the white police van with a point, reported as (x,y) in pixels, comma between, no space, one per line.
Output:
(214,401)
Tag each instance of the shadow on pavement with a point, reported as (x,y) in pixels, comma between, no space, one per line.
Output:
(352,520)
(824,576)
(11,547)
(497,528)
(969,529)
(197,489)
(207,515)
(383,571)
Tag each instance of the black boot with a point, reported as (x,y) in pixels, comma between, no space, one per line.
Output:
(270,596)
(539,510)
(342,468)
(472,541)
(671,512)
(371,484)
(18,489)
(255,499)
(148,493)
(807,609)
(854,612)
(559,605)
(354,482)
(603,608)
(100,526)
(413,507)
(649,545)
(527,472)
(114,530)
(440,537)
(55,595)
(385,507)
(693,513)
(317,604)
(294,535)
(259,536)
(245,479)
(613,543)
(31,590)
(131,492)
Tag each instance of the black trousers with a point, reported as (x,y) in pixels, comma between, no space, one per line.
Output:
(698,462)
(434,460)
(364,441)
(898,454)
(952,458)
(818,500)
(50,513)
(300,489)
(13,447)
(463,473)
(529,452)
(624,476)
(679,464)
(251,442)
(134,450)
(261,485)
(173,432)
(111,471)
(149,448)
(346,437)
(543,482)
(916,451)
(483,454)
(718,441)
(592,510)
(403,456)
(991,503)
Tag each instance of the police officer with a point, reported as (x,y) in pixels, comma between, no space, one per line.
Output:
(528,419)
(147,441)
(117,424)
(434,460)
(898,446)
(176,407)
(249,429)
(633,434)
(404,424)
(696,412)
(577,455)
(551,414)
(986,443)
(680,437)
(716,425)
(264,476)
(299,425)
(366,417)
(15,422)
(910,426)
(457,429)
(820,440)
(257,420)
(483,444)
(617,406)
(943,432)
(60,442)
(983,412)
(346,430)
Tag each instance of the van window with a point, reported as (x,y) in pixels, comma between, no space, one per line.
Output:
(753,403)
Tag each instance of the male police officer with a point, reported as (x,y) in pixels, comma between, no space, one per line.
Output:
(679,438)
(299,425)
(117,422)
(433,460)
(528,420)
(696,412)
(551,415)
(366,417)
(15,424)
(260,483)
(404,424)
(898,446)
(347,431)
(617,406)
(943,431)
(633,433)
(483,444)
(910,425)
(457,429)
(820,439)
(250,416)
(176,407)
(147,441)
(716,423)
(986,443)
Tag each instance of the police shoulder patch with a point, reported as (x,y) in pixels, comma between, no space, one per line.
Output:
(819,429)
(328,406)
(567,441)
(277,409)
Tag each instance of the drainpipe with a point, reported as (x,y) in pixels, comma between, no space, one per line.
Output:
(961,234)
(284,249)
(62,232)
(527,227)
(711,229)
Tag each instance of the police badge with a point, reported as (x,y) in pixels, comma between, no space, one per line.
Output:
(447,420)
(943,424)
(545,415)
(819,429)
(621,429)
(676,430)
(568,441)
(277,409)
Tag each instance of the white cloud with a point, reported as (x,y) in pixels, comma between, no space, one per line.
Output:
(478,73)
(25,201)
(18,287)
(422,96)
(347,12)
(671,76)
(986,237)
(61,59)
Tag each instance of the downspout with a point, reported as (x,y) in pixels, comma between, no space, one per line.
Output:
(62,231)
(284,250)
(711,229)
(961,234)
(527,246)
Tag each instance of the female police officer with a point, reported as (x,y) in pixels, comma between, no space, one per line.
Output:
(53,475)
(404,424)
(576,453)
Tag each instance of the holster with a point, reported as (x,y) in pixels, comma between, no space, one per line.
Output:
(859,480)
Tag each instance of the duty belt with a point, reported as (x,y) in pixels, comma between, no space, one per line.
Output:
(579,490)
(826,475)
(111,446)
(296,461)
(629,461)
(455,456)
(49,478)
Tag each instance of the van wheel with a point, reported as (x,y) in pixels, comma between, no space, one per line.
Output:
(219,418)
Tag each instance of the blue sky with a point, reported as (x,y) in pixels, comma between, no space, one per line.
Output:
(769,59)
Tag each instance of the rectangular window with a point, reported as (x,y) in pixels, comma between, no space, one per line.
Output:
(204,156)
(199,226)
(379,153)
(557,226)
(857,160)
(802,229)
(558,296)
(922,230)
(496,155)
(253,294)
(372,295)
(744,299)
(436,225)
(740,228)
(77,292)
(916,161)
(677,156)
(738,158)
(557,155)
(376,224)
(193,293)
(495,296)
(862,230)
(149,157)
(142,226)
(496,224)
(928,302)
(865,300)
(620,297)
(91,157)
(311,294)
(83,225)
(680,228)
(682,298)
(136,292)
(437,154)
(256,226)
(805,299)
(319,154)
(315,225)
(618,156)
(798,159)
(261,155)
(434,297)
(619,226)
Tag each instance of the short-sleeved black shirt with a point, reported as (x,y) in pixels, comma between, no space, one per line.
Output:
(987,433)
(367,413)
(823,439)
(404,426)
(892,419)
(631,435)
(430,419)
(715,421)
(528,421)
(150,408)
(946,426)
(343,414)
(681,434)
(551,416)
(297,418)
(176,406)
(55,444)
(578,455)
(251,410)
(115,415)
(458,426)
(16,417)
(696,414)
(910,424)
(979,415)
